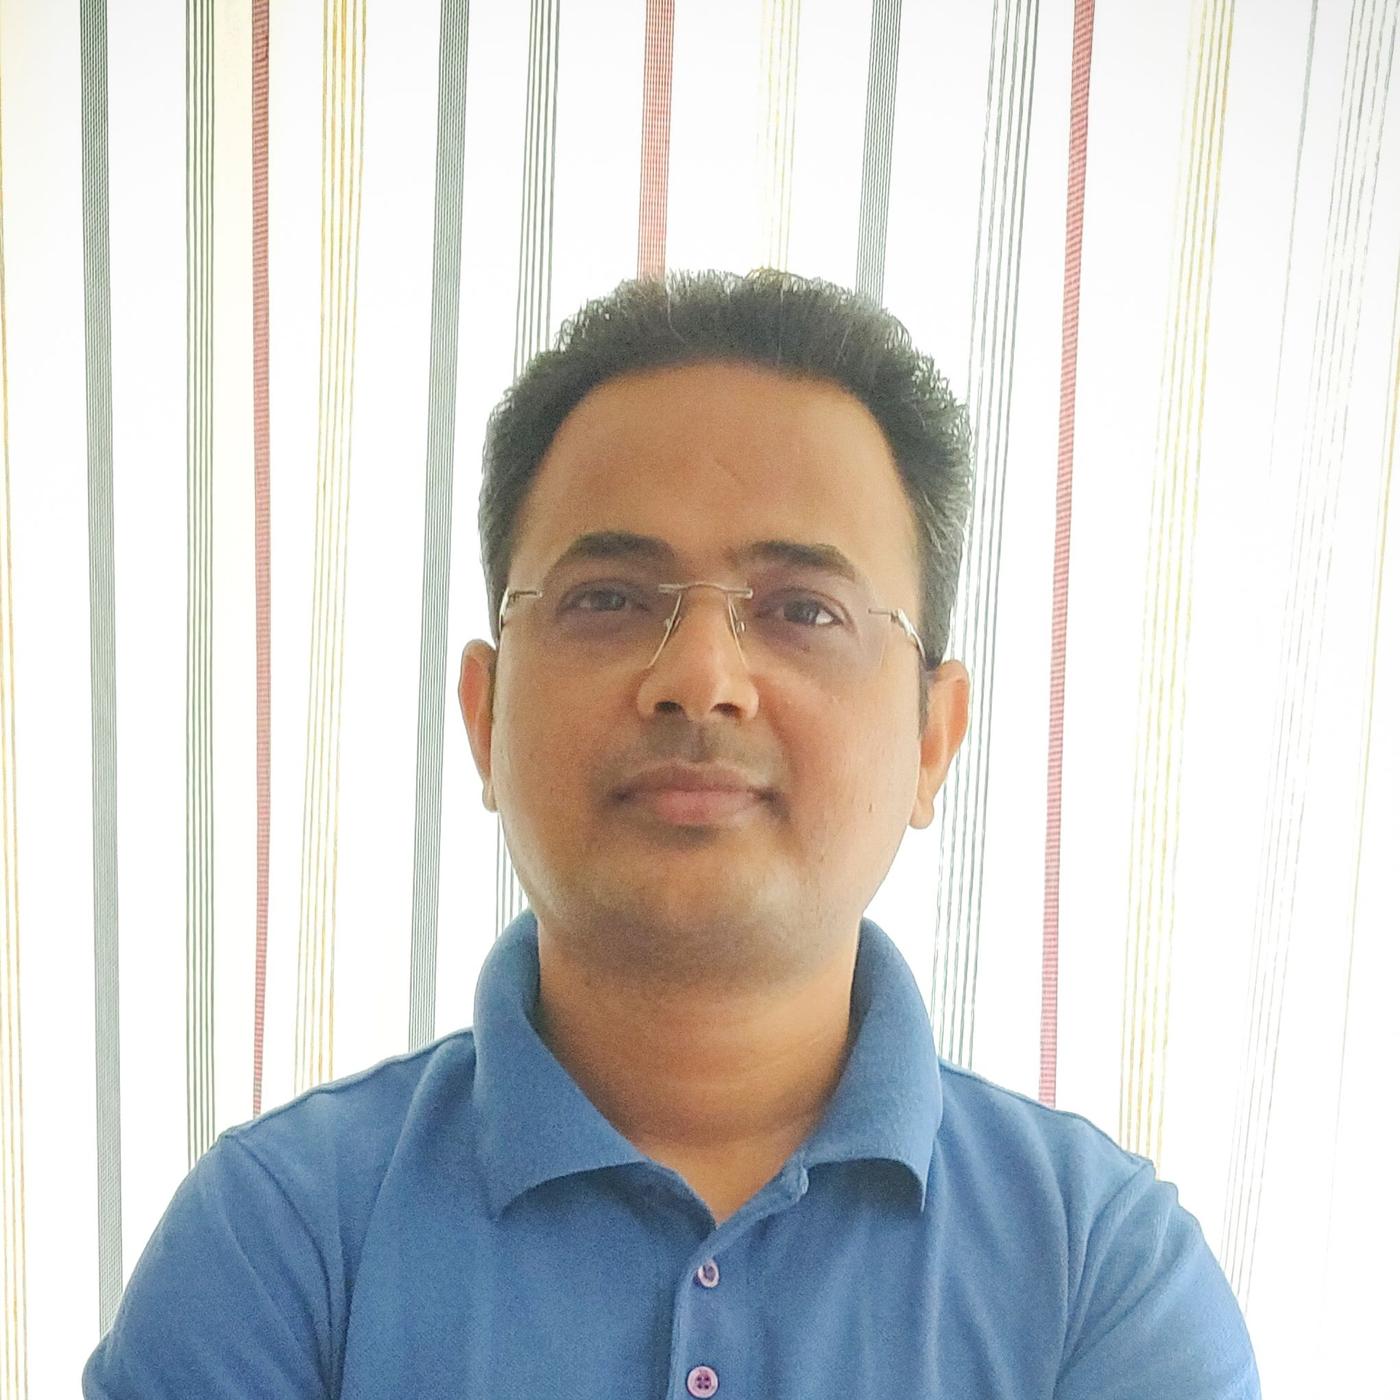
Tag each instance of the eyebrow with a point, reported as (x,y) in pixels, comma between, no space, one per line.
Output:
(623,544)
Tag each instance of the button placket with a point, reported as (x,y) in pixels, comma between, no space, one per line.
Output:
(703,1381)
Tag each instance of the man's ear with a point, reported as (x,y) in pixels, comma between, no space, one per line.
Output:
(948,692)
(476,694)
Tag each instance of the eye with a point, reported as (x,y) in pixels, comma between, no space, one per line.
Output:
(614,599)
(799,609)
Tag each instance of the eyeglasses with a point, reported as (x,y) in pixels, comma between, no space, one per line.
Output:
(826,629)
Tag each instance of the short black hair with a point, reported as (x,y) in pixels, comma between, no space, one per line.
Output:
(777,320)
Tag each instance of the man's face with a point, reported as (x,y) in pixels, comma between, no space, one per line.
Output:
(707,458)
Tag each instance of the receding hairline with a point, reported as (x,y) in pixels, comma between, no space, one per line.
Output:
(832,389)
(789,376)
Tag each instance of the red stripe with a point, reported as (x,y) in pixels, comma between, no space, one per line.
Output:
(656,138)
(1069,354)
(262,513)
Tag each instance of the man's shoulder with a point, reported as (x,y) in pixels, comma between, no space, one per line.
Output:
(1143,1305)
(348,1130)
(999,1135)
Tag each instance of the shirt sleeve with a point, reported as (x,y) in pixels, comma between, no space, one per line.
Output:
(1154,1314)
(231,1298)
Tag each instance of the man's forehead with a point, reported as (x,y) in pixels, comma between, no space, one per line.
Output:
(759,468)
(743,411)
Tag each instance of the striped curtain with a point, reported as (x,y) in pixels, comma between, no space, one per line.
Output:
(264,268)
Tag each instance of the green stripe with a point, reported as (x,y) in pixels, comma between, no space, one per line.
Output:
(97,335)
(437,518)
(880,86)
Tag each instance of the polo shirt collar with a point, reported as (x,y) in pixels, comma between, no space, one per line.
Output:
(535,1124)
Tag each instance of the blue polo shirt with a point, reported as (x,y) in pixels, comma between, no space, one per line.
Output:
(461,1221)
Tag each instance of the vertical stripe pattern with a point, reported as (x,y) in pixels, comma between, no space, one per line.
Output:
(342,178)
(881,82)
(532,321)
(97,326)
(14,1289)
(1251,837)
(1167,614)
(777,124)
(656,137)
(1080,60)
(1368,727)
(992,354)
(1370,57)
(437,518)
(262,526)
(199,546)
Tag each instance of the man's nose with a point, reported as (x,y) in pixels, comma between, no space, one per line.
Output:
(701,664)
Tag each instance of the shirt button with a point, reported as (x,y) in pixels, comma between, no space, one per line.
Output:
(707,1275)
(701,1381)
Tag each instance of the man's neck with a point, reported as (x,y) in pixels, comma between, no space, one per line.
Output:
(721,1085)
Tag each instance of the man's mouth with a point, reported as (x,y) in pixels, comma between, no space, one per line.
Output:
(697,807)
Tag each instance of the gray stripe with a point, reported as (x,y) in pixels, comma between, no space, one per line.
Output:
(1322,449)
(881,81)
(1237,1188)
(14,1326)
(199,646)
(1293,223)
(97,333)
(1351,208)
(532,299)
(996,285)
(437,517)
(537,184)
(1383,494)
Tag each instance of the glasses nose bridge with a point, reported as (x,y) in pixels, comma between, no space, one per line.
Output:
(729,596)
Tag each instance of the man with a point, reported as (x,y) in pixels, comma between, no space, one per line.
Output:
(698,1141)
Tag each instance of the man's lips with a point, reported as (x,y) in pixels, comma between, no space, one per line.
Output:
(696,807)
(692,777)
(695,794)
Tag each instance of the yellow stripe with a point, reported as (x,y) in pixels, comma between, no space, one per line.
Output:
(777,124)
(342,172)
(1157,782)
